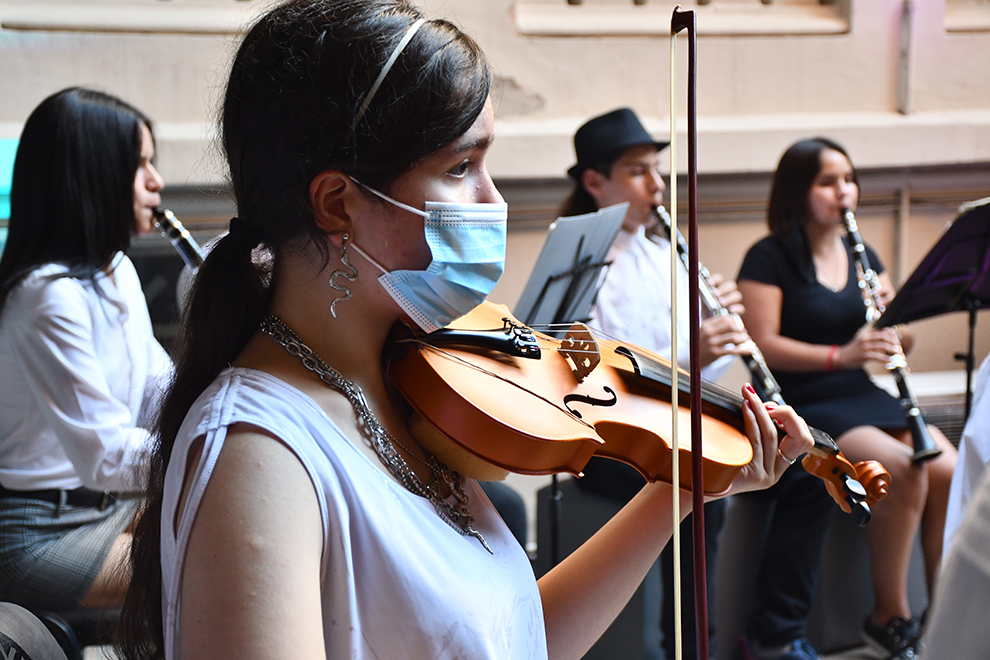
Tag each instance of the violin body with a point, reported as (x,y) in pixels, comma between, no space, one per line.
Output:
(532,403)
(552,414)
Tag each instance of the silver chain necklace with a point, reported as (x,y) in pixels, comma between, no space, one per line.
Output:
(456,513)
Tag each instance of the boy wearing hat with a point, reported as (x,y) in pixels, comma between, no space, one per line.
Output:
(618,161)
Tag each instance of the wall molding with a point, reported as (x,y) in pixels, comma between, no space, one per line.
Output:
(131,16)
(727,19)
(967,17)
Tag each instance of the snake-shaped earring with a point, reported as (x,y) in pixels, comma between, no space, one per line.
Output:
(350,275)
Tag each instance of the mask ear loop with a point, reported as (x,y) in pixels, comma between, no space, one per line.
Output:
(368,257)
(350,275)
(395,202)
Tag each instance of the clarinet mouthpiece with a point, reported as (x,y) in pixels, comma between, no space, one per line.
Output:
(181,239)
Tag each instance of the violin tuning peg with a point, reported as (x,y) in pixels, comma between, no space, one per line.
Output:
(853,488)
(875,479)
(861,513)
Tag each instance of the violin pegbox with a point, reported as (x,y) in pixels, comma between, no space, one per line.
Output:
(581,349)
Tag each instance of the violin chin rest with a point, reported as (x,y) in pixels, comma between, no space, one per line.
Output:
(451,454)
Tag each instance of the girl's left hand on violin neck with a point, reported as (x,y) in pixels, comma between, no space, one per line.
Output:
(765,422)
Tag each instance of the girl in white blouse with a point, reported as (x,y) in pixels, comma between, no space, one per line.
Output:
(81,368)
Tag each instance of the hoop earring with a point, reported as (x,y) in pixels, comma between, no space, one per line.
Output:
(350,275)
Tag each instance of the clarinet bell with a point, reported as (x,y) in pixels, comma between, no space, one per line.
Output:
(925,448)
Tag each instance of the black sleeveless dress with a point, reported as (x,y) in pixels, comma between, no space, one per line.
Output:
(833,401)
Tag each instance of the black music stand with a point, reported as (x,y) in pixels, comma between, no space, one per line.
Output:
(561,290)
(569,270)
(953,277)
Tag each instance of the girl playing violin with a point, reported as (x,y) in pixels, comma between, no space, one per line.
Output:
(291,511)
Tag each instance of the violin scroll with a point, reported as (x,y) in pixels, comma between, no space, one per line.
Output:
(844,482)
(875,479)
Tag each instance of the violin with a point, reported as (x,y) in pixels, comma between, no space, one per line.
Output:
(533,403)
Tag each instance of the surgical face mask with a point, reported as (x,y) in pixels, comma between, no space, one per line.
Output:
(467,242)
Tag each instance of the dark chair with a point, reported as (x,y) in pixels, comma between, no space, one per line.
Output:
(74,630)
(22,635)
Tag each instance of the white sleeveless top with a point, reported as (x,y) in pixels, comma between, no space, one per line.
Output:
(396,581)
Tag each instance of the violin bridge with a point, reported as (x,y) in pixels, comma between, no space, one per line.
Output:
(580,348)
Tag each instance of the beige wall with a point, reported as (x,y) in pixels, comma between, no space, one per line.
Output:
(756,93)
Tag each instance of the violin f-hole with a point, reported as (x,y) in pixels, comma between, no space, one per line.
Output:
(590,400)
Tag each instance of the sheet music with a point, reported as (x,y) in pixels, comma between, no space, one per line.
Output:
(569,270)
(953,275)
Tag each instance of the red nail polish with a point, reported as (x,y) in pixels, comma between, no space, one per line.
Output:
(769,405)
(749,388)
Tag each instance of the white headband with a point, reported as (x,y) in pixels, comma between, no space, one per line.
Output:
(410,33)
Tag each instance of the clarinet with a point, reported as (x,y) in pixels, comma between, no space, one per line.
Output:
(762,378)
(181,239)
(869,286)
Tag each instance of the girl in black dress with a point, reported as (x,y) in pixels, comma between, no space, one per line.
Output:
(805,311)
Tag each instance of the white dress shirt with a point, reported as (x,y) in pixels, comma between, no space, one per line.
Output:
(633,304)
(957,625)
(79,370)
(974,456)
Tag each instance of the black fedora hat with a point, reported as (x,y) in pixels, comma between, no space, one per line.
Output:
(606,135)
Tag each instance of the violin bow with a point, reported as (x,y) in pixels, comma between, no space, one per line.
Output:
(686,20)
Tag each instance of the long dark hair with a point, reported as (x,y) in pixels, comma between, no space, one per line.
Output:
(295,88)
(580,200)
(71,199)
(788,210)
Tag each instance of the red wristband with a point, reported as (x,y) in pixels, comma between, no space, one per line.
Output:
(829,365)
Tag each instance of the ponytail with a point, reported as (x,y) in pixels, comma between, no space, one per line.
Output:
(229,298)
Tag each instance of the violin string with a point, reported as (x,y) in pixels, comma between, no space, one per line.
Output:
(492,374)
(718,394)
(721,397)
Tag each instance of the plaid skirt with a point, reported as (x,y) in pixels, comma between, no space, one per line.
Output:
(50,554)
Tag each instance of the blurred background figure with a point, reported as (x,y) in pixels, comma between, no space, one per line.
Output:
(806,312)
(82,371)
(974,456)
(618,161)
